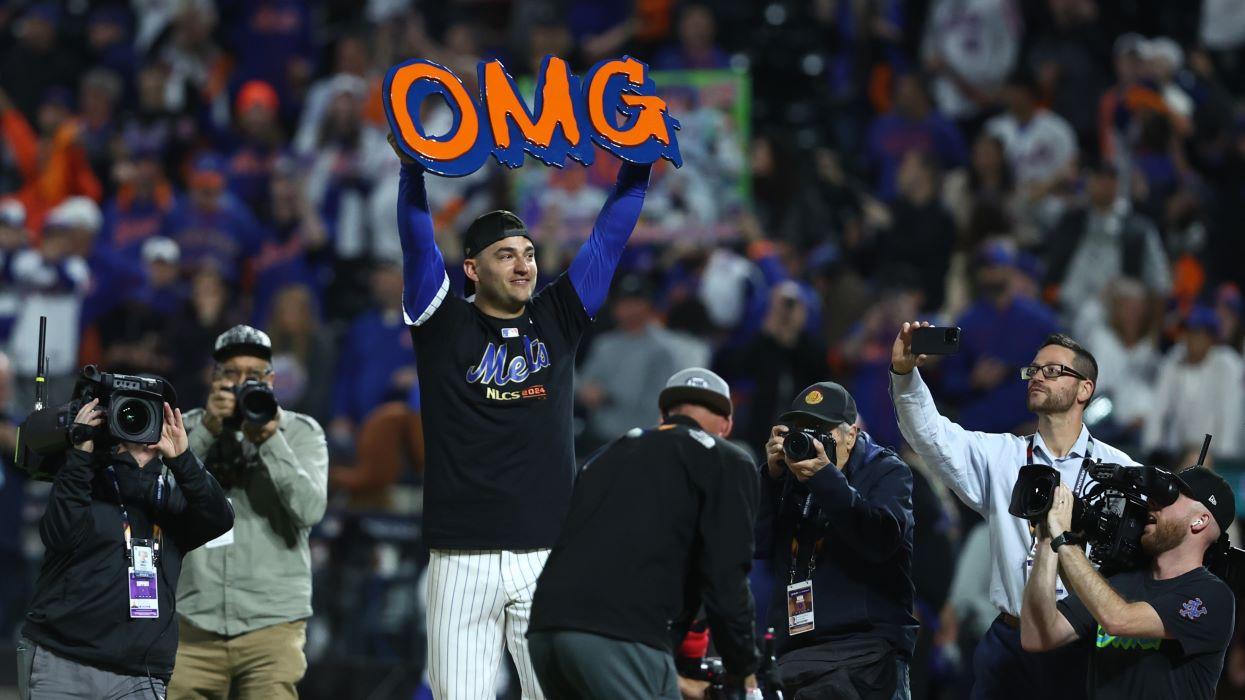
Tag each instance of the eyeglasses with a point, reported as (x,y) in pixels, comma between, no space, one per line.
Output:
(234,374)
(1051,371)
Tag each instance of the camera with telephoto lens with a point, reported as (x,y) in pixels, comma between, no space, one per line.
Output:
(798,444)
(255,403)
(1110,516)
(133,409)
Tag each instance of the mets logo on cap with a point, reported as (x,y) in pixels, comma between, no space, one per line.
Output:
(814,397)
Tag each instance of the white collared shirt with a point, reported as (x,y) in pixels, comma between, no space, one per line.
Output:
(981,469)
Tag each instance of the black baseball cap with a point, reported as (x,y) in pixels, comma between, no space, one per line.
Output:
(1209,489)
(824,401)
(489,228)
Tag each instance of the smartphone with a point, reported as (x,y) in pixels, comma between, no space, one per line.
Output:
(936,340)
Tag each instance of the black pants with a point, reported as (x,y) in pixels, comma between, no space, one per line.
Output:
(1002,669)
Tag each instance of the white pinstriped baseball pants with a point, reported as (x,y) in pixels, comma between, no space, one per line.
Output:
(480,601)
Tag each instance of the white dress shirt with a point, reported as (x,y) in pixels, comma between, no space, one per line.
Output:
(981,469)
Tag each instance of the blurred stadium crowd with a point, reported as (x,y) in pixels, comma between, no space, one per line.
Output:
(171,167)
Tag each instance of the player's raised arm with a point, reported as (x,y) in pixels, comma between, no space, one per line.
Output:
(425,282)
(593,267)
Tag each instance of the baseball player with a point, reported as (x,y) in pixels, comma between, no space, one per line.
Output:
(496,383)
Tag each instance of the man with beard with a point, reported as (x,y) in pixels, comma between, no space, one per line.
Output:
(981,469)
(1160,633)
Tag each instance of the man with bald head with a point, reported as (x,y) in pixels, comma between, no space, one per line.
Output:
(1159,633)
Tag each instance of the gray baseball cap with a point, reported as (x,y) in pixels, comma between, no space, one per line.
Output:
(699,386)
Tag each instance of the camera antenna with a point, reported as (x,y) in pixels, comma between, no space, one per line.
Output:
(1201,458)
(41,382)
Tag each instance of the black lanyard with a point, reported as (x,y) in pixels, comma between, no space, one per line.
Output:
(125,517)
(1089,449)
(806,507)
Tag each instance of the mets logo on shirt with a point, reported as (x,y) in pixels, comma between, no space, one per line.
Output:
(497,370)
(1193,609)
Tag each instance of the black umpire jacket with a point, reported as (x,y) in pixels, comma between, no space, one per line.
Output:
(862,517)
(660,521)
(81,607)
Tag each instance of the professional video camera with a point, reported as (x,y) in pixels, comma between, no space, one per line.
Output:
(133,408)
(1112,514)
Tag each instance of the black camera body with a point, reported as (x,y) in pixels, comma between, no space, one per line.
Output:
(798,445)
(1110,516)
(133,412)
(255,403)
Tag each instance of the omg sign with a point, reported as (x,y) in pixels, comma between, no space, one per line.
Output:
(615,107)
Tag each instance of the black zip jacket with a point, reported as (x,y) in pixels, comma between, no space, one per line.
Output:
(862,581)
(81,606)
(659,522)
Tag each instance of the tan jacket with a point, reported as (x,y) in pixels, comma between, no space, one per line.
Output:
(278,491)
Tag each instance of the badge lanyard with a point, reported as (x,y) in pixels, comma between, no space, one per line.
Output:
(141,557)
(800,617)
(125,517)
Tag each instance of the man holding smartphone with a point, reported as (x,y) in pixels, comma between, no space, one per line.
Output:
(981,469)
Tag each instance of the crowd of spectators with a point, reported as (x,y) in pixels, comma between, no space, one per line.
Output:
(171,167)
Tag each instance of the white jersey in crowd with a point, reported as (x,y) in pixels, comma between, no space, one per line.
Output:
(978,41)
(55,291)
(1038,150)
(1192,400)
(981,469)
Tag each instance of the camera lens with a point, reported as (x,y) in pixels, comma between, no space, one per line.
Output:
(133,417)
(798,447)
(257,403)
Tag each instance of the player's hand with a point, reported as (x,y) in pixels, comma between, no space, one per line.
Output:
(691,689)
(90,414)
(221,405)
(173,440)
(902,359)
(1059,518)
(775,461)
(402,156)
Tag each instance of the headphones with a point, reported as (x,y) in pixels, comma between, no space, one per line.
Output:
(1197,522)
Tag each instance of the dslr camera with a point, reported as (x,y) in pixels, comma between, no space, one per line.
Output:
(255,403)
(798,445)
(133,412)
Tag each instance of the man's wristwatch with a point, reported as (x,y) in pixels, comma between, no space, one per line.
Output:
(1061,540)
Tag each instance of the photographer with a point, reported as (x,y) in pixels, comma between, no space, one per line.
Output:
(1161,632)
(981,469)
(114,530)
(836,522)
(246,597)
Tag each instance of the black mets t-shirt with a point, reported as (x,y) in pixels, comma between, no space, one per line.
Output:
(497,397)
(1197,610)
